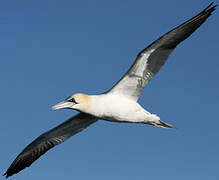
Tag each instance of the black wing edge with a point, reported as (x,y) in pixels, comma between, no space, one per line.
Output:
(183,31)
(48,140)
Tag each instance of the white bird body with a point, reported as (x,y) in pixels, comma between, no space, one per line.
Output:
(113,107)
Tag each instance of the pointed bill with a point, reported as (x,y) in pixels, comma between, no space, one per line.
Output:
(62,105)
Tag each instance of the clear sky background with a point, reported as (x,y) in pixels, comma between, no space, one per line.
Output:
(50,49)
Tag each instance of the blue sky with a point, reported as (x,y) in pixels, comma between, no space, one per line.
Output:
(51,49)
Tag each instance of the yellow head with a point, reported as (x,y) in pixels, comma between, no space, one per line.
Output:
(80,102)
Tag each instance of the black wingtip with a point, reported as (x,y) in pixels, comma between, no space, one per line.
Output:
(211,8)
(6,175)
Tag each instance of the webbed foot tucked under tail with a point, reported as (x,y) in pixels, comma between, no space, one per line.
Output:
(162,124)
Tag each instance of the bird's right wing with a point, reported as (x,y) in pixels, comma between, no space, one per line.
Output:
(48,140)
(151,59)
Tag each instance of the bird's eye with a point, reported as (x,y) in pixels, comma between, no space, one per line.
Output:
(72,100)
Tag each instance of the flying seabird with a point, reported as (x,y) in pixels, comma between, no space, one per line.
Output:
(119,104)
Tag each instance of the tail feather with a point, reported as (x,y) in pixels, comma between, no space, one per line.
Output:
(162,124)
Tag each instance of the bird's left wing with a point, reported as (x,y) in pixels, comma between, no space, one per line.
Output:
(48,140)
(151,59)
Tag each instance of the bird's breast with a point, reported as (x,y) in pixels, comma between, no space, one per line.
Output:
(117,108)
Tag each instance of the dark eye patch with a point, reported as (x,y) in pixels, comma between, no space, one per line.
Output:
(72,100)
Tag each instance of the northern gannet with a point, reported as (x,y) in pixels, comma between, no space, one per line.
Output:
(119,104)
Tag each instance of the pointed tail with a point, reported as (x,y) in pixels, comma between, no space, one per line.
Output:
(162,124)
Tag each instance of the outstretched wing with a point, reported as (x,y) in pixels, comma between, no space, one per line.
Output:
(151,59)
(48,140)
